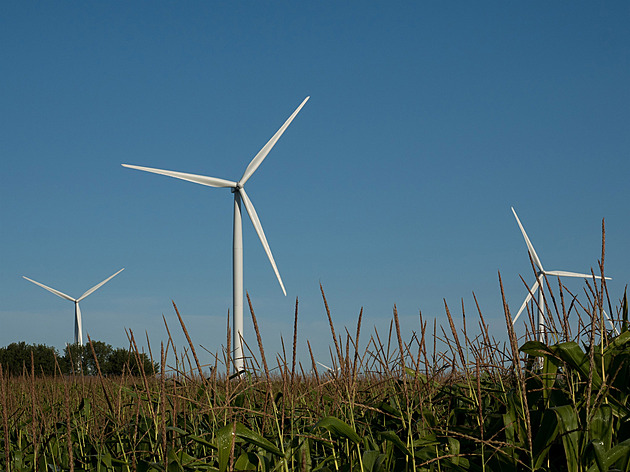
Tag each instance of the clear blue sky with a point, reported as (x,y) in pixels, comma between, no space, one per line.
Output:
(427,121)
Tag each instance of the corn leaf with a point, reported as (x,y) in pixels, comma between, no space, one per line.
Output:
(568,429)
(243,432)
(338,428)
(224,439)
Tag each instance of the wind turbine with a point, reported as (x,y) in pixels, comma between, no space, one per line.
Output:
(78,327)
(237,246)
(539,282)
(329,369)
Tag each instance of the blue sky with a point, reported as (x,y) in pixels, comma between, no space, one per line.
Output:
(427,121)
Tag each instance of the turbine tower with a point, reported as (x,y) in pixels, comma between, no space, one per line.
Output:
(78,327)
(237,243)
(539,282)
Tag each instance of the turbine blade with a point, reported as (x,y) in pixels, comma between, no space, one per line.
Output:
(52,290)
(198,179)
(261,234)
(527,299)
(97,286)
(610,322)
(325,366)
(257,160)
(562,273)
(530,247)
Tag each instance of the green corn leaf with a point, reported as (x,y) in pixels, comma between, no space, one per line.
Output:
(599,453)
(239,400)
(191,436)
(265,461)
(369,459)
(243,432)
(323,469)
(85,407)
(509,419)
(395,440)
(338,428)
(107,460)
(201,441)
(373,461)
(568,429)
(618,455)
(173,462)
(391,409)
(426,440)
(545,436)
(129,391)
(600,429)
(572,354)
(453,448)
(185,459)
(514,420)
(569,352)
(379,465)
(143,466)
(536,348)
(429,418)
(224,445)
(548,376)
(304,455)
(246,461)
(618,342)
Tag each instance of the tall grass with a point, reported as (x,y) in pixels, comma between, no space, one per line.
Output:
(478,404)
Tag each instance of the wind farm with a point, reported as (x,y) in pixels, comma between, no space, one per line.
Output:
(403,326)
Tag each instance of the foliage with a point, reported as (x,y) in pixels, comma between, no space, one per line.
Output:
(560,405)
(16,359)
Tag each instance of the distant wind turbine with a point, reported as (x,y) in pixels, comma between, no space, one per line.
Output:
(329,369)
(78,327)
(237,252)
(539,282)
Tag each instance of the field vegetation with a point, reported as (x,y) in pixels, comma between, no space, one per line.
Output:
(400,404)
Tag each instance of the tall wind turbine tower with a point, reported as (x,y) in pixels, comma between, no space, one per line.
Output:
(240,195)
(78,327)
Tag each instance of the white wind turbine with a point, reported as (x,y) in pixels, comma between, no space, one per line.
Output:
(78,327)
(539,282)
(237,246)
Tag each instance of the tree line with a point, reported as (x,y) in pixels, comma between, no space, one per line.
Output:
(17,358)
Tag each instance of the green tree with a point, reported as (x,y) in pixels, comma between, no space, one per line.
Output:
(16,358)
(121,359)
(102,351)
(74,359)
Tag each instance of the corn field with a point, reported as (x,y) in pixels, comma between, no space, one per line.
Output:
(397,405)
